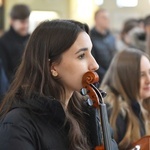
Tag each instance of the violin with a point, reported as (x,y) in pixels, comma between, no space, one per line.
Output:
(142,144)
(97,102)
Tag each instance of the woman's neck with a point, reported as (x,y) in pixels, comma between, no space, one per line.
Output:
(66,99)
(100,30)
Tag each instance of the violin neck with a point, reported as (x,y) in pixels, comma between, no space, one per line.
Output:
(105,127)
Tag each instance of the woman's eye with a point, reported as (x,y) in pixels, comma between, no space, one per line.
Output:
(81,56)
(142,75)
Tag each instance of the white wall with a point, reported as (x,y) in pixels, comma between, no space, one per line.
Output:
(119,15)
(76,9)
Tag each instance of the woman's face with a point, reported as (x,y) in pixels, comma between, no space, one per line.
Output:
(144,78)
(76,61)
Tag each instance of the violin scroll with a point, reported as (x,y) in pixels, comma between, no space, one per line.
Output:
(90,77)
(87,80)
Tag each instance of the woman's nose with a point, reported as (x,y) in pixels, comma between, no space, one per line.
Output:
(93,66)
(148,79)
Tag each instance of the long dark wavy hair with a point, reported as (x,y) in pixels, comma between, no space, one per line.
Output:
(48,42)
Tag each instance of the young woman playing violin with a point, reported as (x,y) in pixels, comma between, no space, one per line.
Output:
(43,109)
(127,84)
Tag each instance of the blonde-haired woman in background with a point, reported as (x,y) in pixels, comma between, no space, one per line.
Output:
(127,83)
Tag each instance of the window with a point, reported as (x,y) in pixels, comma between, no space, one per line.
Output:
(84,8)
(127,3)
(99,2)
(37,16)
(1,3)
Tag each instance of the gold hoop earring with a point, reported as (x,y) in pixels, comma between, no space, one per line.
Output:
(54,73)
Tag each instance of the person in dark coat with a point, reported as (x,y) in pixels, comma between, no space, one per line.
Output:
(104,43)
(12,42)
(3,81)
(127,83)
(43,109)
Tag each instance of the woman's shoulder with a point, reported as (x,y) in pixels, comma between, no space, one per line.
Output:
(16,116)
(17,129)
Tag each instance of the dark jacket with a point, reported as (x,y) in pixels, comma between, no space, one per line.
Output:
(35,124)
(121,122)
(11,49)
(103,50)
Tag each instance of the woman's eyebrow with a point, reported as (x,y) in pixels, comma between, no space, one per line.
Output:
(82,49)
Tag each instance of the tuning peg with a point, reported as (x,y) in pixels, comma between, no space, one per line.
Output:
(83,91)
(103,93)
(89,102)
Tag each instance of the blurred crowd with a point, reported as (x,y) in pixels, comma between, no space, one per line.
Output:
(124,68)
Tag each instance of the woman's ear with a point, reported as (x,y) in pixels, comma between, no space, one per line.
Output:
(53,71)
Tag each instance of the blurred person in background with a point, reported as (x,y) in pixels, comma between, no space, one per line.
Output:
(3,82)
(103,41)
(127,83)
(124,41)
(135,34)
(13,42)
(146,36)
(140,35)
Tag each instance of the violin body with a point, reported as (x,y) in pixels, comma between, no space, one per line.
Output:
(99,148)
(142,144)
